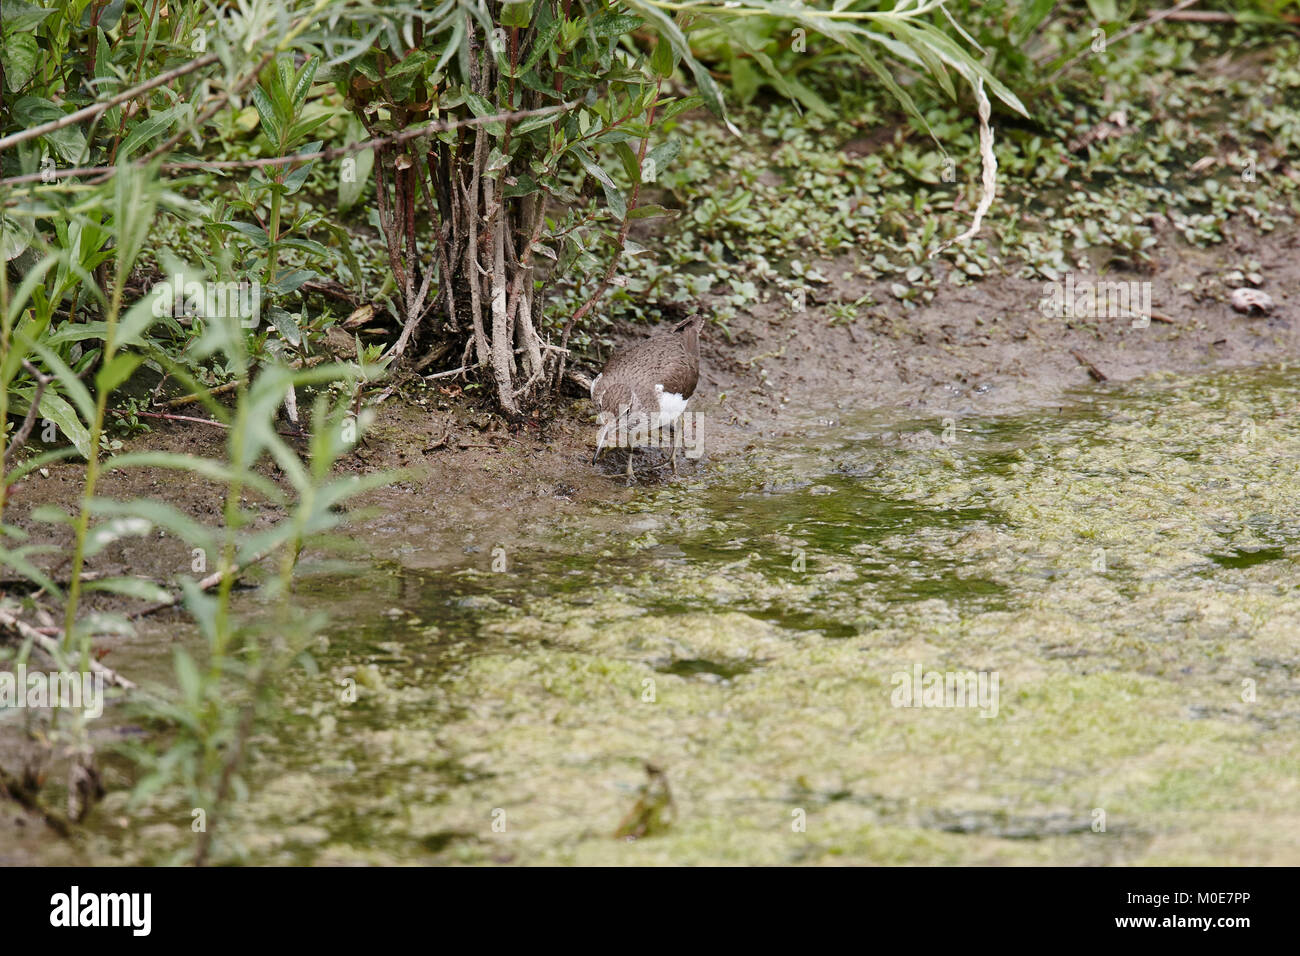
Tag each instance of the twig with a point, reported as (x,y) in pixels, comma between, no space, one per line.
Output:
(20,436)
(292,433)
(455,371)
(170,418)
(205,584)
(193,397)
(1095,372)
(22,795)
(52,647)
(989,178)
(1123,34)
(333,152)
(94,109)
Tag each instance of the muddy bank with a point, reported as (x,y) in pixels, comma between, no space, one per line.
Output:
(978,349)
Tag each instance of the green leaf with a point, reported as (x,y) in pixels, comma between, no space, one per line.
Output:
(302,86)
(662,60)
(53,514)
(362,163)
(114,373)
(266,111)
(73,385)
(21,470)
(65,417)
(516,13)
(285,324)
(78,332)
(669,30)
(187,677)
(18,561)
(161,515)
(628,159)
(310,246)
(202,607)
(947,50)
(293,180)
(534,122)
(69,143)
(214,471)
(305,127)
(524,185)
(292,282)
(676,107)
(22,18)
(497,161)
(19,58)
(15,236)
(480,106)
(613,197)
(139,318)
(887,78)
(614,25)
(256,233)
(1105,11)
(542,43)
(653,211)
(150,129)
(660,158)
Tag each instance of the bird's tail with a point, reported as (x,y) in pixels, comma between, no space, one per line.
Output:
(695,321)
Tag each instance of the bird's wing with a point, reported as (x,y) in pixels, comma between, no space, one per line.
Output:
(683,371)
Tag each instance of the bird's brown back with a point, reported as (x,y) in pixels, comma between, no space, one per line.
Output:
(670,359)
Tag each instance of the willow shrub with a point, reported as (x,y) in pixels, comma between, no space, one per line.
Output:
(562,111)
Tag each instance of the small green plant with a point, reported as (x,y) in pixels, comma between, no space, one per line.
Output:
(281,102)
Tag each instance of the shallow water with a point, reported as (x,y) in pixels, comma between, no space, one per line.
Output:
(1124,566)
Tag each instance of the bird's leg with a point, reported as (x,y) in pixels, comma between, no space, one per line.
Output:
(672,458)
(630,451)
(600,442)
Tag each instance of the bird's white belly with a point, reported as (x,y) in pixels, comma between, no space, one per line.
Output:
(671,405)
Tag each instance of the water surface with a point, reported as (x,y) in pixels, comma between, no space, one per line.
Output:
(1125,565)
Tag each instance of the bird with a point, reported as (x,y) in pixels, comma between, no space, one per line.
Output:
(647,386)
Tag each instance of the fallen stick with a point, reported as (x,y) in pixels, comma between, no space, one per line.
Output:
(1218,16)
(193,397)
(205,584)
(1095,372)
(22,795)
(51,647)
(196,396)
(196,420)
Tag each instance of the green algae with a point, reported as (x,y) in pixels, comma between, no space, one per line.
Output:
(1126,566)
